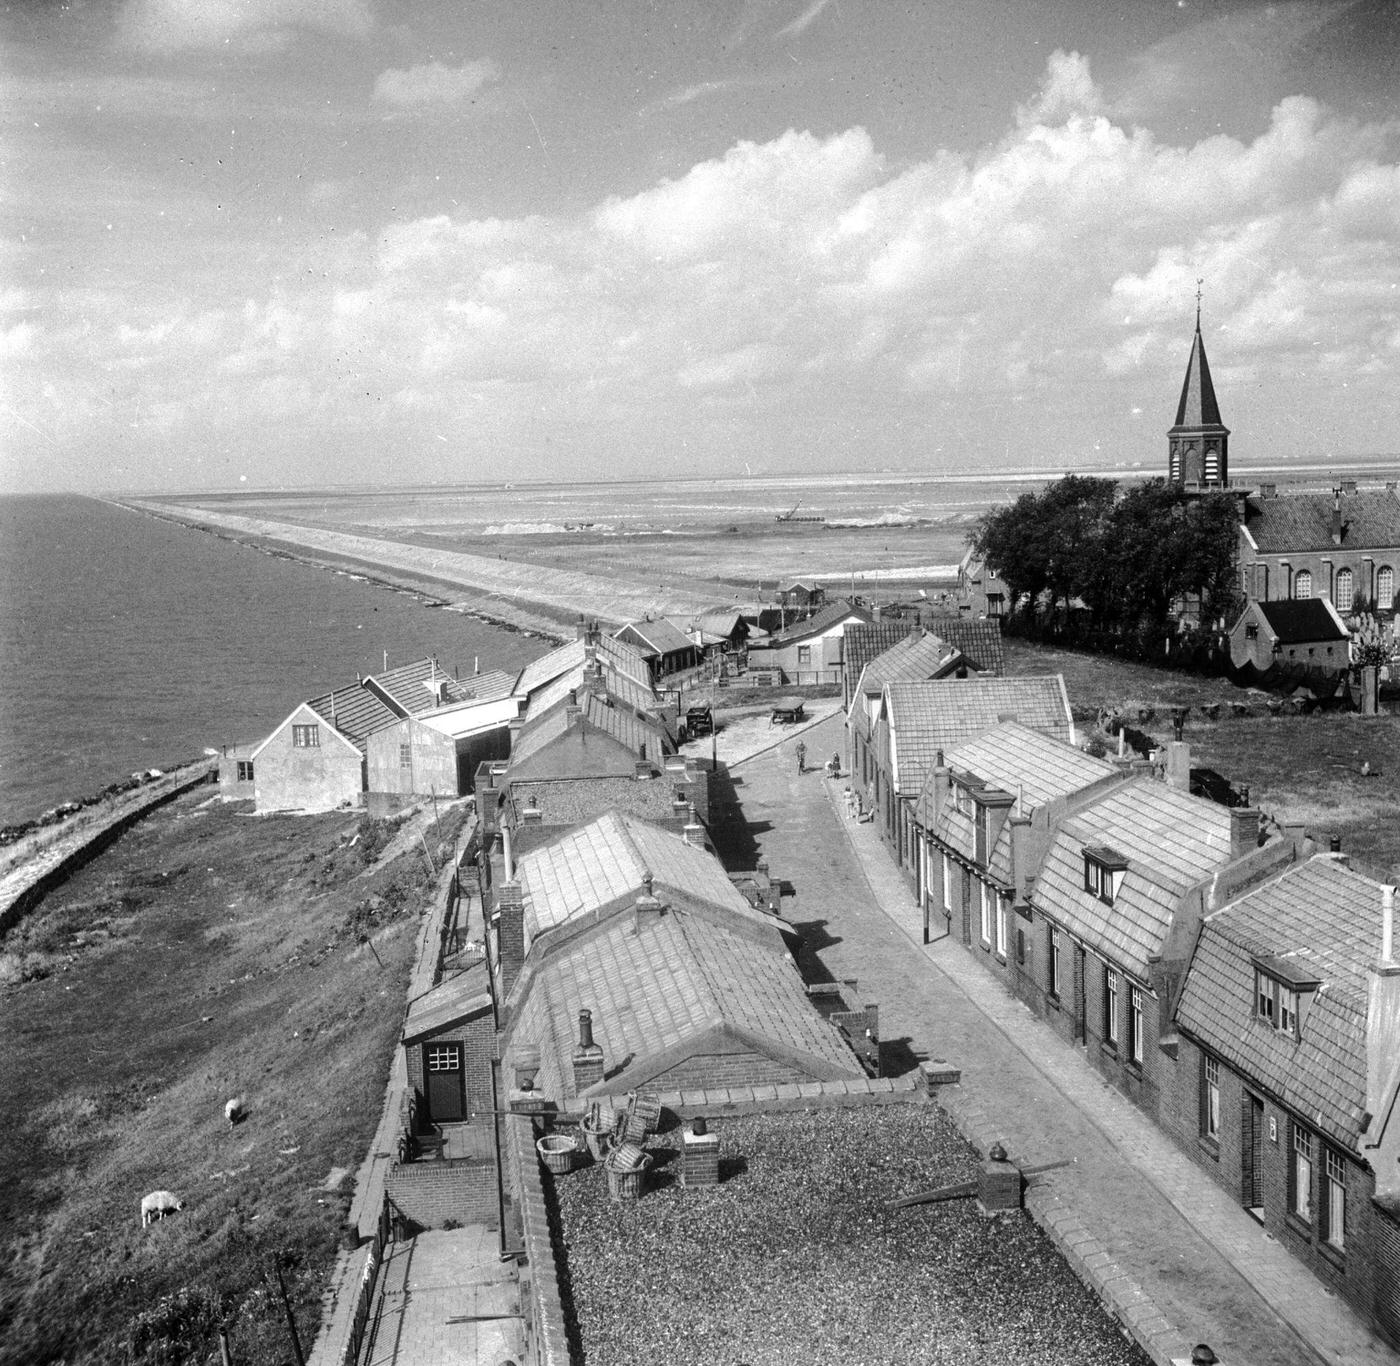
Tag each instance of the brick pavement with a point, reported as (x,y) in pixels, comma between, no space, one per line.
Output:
(1164,1245)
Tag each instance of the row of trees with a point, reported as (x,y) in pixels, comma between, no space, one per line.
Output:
(1124,559)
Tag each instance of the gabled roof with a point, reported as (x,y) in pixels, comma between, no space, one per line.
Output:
(718,623)
(1298,522)
(573,654)
(674,986)
(1294,620)
(355,712)
(862,641)
(979,640)
(623,687)
(601,865)
(309,714)
(406,688)
(833,614)
(1326,918)
(632,730)
(457,998)
(926,717)
(1197,410)
(917,656)
(662,637)
(1171,842)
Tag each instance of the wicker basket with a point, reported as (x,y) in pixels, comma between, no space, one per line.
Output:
(557,1152)
(627,1168)
(597,1135)
(645,1106)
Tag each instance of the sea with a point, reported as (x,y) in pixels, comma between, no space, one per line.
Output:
(129,643)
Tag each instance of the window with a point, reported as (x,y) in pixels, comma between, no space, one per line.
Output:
(1210,1098)
(1212,464)
(245,770)
(962,799)
(996,604)
(947,884)
(306,737)
(1275,1004)
(1135,1021)
(1346,591)
(1301,1174)
(804,655)
(1251,630)
(405,756)
(1302,584)
(1054,961)
(1103,873)
(1001,926)
(1111,989)
(445,1057)
(1334,1204)
(985,898)
(1385,588)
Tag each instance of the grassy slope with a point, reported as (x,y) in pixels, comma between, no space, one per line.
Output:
(1298,768)
(207,954)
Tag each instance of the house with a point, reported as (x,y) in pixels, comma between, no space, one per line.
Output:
(593,660)
(810,651)
(684,984)
(981,593)
(1343,546)
(1289,1024)
(665,647)
(1115,910)
(1299,631)
(236,771)
(449,1043)
(979,643)
(721,632)
(983,824)
(801,593)
(911,723)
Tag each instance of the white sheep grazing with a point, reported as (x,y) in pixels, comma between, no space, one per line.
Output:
(158,1204)
(236,1110)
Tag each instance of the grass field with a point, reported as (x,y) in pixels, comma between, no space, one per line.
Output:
(207,954)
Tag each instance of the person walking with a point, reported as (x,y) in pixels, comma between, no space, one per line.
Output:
(801,757)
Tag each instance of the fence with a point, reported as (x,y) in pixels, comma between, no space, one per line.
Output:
(364,1292)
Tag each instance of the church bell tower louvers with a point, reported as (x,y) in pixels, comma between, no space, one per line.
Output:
(1198,444)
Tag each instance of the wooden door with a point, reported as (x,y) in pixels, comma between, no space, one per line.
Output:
(1252,1164)
(445,1082)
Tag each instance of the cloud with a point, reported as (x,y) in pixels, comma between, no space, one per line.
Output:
(176,25)
(434,84)
(804,21)
(806,284)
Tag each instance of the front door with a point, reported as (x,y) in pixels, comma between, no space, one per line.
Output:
(447,1092)
(1252,1163)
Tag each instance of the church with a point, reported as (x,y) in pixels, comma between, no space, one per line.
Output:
(1343,546)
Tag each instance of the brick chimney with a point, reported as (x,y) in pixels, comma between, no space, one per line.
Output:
(588,1056)
(510,933)
(643,768)
(1244,830)
(647,909)
(581,627)
(1179,765)
(942,781)
(693,832)
(572,710)
(1381,1123)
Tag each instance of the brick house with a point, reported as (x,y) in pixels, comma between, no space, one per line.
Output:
(1289,1023)
(979,643)
(981,592)
(1304,631)
(687,985)
(912,722)
(1116,907)
(449,1042)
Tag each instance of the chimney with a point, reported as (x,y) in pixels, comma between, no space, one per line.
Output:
(572,710)
(693,832)
(532,815)
(1023,861)
(699,1155)
(643,766)
(1267,490)
(588,1057)
(510,933)
(646,908)
(1381,1124)
(1179,766)
(941,782)
(507,854)
(1349,487)
(1336,516)
(1244,830)
(581,627)
(1334,847)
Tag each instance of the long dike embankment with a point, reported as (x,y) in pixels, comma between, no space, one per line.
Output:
(36,863)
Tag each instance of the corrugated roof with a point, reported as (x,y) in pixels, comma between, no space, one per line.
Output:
(672,981)
(1294,620)
(1303,521)
(1327,918)
(1171,841)
(929,716)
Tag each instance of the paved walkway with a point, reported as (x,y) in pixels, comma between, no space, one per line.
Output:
(1155,1229)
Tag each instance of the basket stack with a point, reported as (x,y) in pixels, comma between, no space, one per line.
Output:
(557,1152)
(597,1131)
(642,1116)
(627,1167)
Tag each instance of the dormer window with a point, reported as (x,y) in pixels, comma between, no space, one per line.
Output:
(962,799)
(1103,872)
(1282,992)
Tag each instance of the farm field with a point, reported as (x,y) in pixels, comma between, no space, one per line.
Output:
(205,955)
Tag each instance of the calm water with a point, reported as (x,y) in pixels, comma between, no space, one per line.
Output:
(128,643)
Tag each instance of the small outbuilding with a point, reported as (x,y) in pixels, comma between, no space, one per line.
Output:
(1300,631)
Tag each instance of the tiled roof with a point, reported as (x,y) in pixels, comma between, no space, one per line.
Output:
(929,716)
(676,979)
(978,640)
(661,636)
(1303,521)
(1294,620)
(862,641)
(1327,919)
(1197,407)
(718,623)
(560,660)
(916,656)
(407,686)
(1171,841)
(355,712)
(833,614)
(630,727)
(623,687)
(588,869)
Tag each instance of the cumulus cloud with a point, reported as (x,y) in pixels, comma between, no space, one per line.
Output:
(434,84)
(176,25)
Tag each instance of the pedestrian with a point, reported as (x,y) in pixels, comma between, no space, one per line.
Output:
(850,799)
(801,757)
(835,765)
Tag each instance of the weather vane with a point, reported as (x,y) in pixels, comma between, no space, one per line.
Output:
(1200,280)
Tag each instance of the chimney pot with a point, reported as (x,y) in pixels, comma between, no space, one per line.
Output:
(1334,845)
(585,1029)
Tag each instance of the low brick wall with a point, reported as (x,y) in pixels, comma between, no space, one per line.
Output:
(541,1299)
(433,1194)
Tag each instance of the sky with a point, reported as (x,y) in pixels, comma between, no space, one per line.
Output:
(280,243)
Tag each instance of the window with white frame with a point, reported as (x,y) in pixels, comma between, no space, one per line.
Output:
(1275,1003)
(1103,873)
(1210,1098)
(1112,988)
(1301,1173)
(1135,1023)
(1346,591)
(1055,971)
(1302,584)
(962,799)
(804,655)
(1334,1204)
(985,908)
(1002,912)
(947,884)
(306,737)
(245,770)
(1385,588)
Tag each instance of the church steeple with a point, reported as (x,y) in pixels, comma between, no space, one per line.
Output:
(1198,444)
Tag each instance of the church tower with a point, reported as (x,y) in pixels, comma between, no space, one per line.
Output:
(1198,445)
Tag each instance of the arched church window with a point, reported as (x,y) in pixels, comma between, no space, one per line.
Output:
(1385,588)
(1346,590)
(1302,584)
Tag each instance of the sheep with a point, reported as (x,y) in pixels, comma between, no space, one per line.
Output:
(236,1110)
(158,1204)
